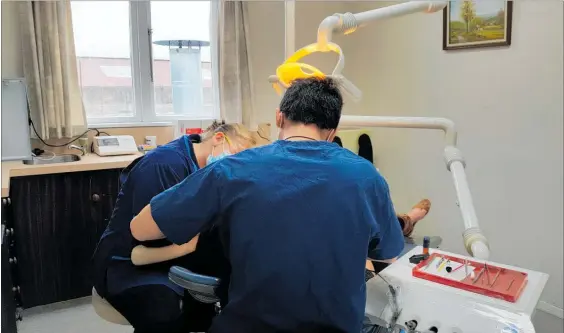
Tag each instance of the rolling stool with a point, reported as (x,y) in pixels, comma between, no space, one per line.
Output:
(106,311)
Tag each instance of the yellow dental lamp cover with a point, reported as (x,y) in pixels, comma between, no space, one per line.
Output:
(292,70)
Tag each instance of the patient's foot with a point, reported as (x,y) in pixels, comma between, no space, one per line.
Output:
(419,211)
(416,214)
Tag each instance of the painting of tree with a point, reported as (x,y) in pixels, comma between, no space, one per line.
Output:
(500,16)
(477,23)
(467,13)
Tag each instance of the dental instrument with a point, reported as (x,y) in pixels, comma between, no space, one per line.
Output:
(487,272)
(457,268)
(442,265)
(478,276)
(495,278)
(510,284)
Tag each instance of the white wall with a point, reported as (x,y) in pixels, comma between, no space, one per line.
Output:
(266,29)
(507,105)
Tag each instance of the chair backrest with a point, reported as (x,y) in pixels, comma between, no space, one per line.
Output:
(201,287)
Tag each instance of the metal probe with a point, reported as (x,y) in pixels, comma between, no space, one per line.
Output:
(495,278)
(487,272)
(510,284)
(478,276)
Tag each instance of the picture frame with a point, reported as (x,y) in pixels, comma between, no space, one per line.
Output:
(477,24)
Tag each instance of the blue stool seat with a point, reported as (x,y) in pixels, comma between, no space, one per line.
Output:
(200,287)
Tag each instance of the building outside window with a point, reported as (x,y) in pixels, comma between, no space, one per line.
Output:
(126,77)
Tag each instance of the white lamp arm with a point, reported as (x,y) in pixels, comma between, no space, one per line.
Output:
(474,240)
(348,23)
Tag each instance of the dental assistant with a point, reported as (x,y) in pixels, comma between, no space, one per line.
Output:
(296,219)
(143,294)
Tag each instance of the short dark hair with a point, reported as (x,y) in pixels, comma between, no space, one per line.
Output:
(315,101)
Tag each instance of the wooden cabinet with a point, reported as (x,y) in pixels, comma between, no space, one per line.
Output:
(8,300)
(57,221)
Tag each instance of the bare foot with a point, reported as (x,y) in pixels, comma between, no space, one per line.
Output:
(416,214)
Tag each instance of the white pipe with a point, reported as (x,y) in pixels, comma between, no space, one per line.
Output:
(348,22)
(474,240)
(463,193)
(398,10)
(290,27)
(325,30)
(446,125)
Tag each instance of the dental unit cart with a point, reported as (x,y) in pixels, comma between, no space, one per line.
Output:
(434,307)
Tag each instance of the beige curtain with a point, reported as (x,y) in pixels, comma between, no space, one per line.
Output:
(235,86)
(50,68)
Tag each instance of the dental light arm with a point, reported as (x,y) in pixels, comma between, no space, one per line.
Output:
(348,23)
(475,242)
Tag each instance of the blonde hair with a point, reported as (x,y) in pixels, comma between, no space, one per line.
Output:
(236,132)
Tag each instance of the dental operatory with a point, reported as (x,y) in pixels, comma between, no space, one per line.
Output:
(284,166)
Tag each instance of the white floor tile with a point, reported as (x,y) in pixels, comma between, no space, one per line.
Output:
(76,316)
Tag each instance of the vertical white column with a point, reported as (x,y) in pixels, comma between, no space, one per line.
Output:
(290,27)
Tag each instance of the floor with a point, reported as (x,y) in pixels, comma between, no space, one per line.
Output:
(77,316)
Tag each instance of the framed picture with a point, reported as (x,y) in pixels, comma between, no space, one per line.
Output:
(476,24)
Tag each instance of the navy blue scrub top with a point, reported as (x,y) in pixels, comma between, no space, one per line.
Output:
(297,218)
(146,177)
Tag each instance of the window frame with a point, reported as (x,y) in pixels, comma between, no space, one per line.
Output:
(141,55)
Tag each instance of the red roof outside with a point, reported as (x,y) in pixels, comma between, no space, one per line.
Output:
(116,72)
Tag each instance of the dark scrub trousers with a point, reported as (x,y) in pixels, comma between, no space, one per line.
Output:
(296,221)
(143,294)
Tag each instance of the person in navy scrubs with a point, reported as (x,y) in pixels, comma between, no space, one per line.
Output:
(296,218)
(143,294)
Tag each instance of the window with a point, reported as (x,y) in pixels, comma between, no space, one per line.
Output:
(147,62)
(103,56)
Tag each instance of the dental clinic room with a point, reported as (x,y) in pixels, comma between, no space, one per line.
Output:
(323,166)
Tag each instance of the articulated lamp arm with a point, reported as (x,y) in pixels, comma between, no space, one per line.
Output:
(474,240)
(348,23)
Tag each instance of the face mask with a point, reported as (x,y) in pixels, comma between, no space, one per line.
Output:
(211,158)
